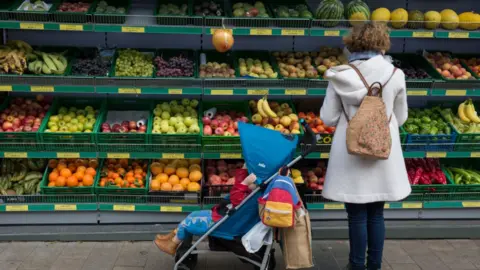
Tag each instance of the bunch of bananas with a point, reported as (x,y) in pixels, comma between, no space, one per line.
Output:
(13,57)
(466,120)
(264,108)
(46,63)
(21,176)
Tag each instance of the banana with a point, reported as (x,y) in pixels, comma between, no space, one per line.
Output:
(461,112)
(31,57)
(267,110)
(49,63)
(260,108)
(38,67)
(471,113)
(46,69)
(58,64)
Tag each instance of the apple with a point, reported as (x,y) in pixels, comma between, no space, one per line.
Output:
(193,103)
(157,111)
(7,125)
(80,127)
(219,131)
(105,126)
(164,128)
(116,127)
(207,130)
(16,122)
(132,125)
(279,127)
(224,176)
(223,125)
(182,130)
(27,129)
(195,129)
(228,134)
(122,129)
(188,121)
(285,121)
(172,121)
(214,124)
(185,102)
(230,130)
(206,120)
(142,128)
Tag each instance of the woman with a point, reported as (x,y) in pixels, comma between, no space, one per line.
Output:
(365,184)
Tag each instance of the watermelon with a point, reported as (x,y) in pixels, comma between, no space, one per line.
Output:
(331,11)
(357,10)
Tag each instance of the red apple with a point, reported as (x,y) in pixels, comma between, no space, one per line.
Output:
(214,180)
(206,120)
(224,176)
(142,128)
(214,124)
(132,125)
(223,125)
(313,185)
(207,130)
(231,130)
(211,170)
(7,125)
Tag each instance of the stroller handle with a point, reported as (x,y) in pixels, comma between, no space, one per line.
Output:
(309,135)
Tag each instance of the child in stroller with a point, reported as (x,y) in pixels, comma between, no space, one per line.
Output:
(198,222)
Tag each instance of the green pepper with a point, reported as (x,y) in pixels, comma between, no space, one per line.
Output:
(409,121)
(433,131)
(428,112)
(417,121)
(426,119)
(434,122)
(412,129)
(464,174)
(424,131)
(447,130)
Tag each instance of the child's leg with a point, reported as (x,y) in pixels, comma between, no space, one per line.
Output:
(197,223)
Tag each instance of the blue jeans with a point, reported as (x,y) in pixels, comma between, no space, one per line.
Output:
(197,223)
(366,227)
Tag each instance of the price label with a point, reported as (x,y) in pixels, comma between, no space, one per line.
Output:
(68,155)
(422,34)
(126,29)
(456,93)
(331,33)
(325,155)
(417,92)
(175,91)
(173,155)
(261,32)
(129,90)
(170,209)
(298,92)
(334,206)
(387,206)
(222,92)
(65,207)
(118,155)
(5,88)
(436,154)
(32,26)
(71,27)
(15,154)
(293,32)
(231,155)
(475,154)
(123,207)
(42,89)
(212,30)
(16,208)
(258,92)
(471,204)
(412,205)
(458,34)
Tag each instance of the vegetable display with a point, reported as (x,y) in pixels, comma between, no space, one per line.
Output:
(243,9)
(462,176)
(426,122)
(298,11)
(21,176)
(425,171)
(466,120)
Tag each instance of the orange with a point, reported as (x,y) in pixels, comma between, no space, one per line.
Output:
(166,187)
(194,167)
(65,173)
(196,161)
(79,175)
(195,176)
(51,184)
(184,182)
(182,172)
(61,181)
(169,169)
(52,176)
(72,181)
(81,169)
(119,181)
(91,171)
(102,183)
(80,184)
(52,163)
(178,188)
(130,179)
(156,168)
(193,187)
(138,170)
(155,185)
(72,167)
(163,178)
(88,180)
(173,180)
(61,166)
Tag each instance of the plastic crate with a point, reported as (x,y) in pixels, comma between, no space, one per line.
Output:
(145,51)
(67,52)
(71,142)
(177,19)
(468,164)
(290,22)
(109,18)
(418,61)
(74,17)
(255,55)
(461,63)
(169,53)
(250,21)
(435,188)
(88,53)
(214,56)
(433,143)
(213,21)
(45,189)
(5,6)
(31,16)
(184,197)
(117,191)
(464,57)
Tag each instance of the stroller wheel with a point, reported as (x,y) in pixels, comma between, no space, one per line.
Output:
(190,262)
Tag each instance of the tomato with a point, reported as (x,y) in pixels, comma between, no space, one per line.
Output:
(331,129)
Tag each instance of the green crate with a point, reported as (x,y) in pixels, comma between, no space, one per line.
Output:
(189,19)
(5,6)
(114,190)
(169,53)
(45,189)
(124,142)
(213,21)
(463,57)
(251,21)
(223,143)
(453,80)
(109,18)
(74,17)
(418,61)
(214,56)
(31,16)
(145,51)
(468,164)
(72,142)
(80,53)
(260,55)
(180,143)
(290,22)
(435,188)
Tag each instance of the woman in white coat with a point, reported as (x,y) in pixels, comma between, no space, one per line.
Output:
(365,184)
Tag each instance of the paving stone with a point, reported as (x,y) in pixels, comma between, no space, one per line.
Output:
(439,245)
(404,266)
(396,255)
(9,265)
(70,263)
(461,265)
(44,255)
(18,251)
(134,254)
(464,244)
(127,268)
(103,256)
(78,249)
(416,248)
(429,262)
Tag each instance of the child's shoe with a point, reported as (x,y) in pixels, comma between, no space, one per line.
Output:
(169,236)
(167,246)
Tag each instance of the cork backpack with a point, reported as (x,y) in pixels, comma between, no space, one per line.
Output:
(368,132)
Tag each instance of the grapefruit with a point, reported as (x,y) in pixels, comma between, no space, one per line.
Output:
(222,40)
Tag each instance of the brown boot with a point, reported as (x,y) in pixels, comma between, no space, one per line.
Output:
(167,246)
(169,236)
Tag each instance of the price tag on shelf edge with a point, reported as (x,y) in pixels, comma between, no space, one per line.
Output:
(261,32)
(123,207)
(170,209)
(333,206)
(68,155)
(231,155)
(422,34)
(173,155)
(15,154)
(65,207)
(436,154)
(16,208)
(6,88)
(42,89)
(32,26)
(331,33)
(293,32)
(118,155)
(127,29)
(175,91)
(71,27)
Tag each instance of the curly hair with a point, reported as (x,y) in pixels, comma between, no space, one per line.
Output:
(368,37)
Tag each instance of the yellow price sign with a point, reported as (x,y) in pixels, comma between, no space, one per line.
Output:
(422,34)
(42,89)
(118,155)
(16,208)
(170,209)
(175,91)
(129,90)
(298,92)
(456,93)
(222,92)
(6,88)
(458,34)
(65,207)
(173,155)
(123,207)
(436,154)
(68,155)
(412,205)
(387,206)
(334,206)
(231,155)
(293,32)
(32,26)
(71,27)
(417,92)
(324,155)
(471,204)
(261,32)
(257,92)
(331,33)
(212,30)
(127,29)
(15,154)
(475,154)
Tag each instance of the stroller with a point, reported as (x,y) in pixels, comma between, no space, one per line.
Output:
(265,152)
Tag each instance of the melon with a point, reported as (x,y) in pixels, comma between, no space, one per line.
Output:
(415,19)
(381,15)
(399,18)
(331,12)
(469,21)
(432,19)
(357,12)
(450,19)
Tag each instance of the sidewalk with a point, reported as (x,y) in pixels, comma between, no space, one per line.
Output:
(329,255)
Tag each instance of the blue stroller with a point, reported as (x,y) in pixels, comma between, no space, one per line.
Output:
(265,152)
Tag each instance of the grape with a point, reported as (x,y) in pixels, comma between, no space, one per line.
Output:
(133,63)
(176,66)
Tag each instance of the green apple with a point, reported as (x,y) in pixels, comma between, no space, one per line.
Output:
(172,121)
(72,115)
(67,118)
(54,129)
(164,129)
(194,114)
(164,122)
(194,129)
(157,111)
(48,130)
(185,102)
(54,118)
(87,131)
(82,120)
(188,121)
(74,121)
(178,115)
(179,125)
(165,115)
(182,130)
(63,110)
(60,116)
(180,109)
(72,128)
(179,119)
(81,112)
(193,103)
(62,123)
(63,129)
(90,116)
(81,117)
(89,109)
(157,119)
(186,114)
(174,109)
(173,103)
(170,129)
(73,109)
(52,124)
(155,131)
(165,107)
(88,125)
(80,127)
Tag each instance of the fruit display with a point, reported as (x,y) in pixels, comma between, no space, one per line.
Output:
(222,40)
(331,12)
(426,122)
(223,123)
(297,11)
(179,175)
(473,64)
(432,19)
(21,176)
(243,9)
(315,123)
(449,68)
(24,114)
(35,5)
(123,173)
(381,15)
(466,119)
(176,117)
(221,175)
(274,115)
(124,127)
(425,171)
(462,176)
(208,8)
(411,71)
(174,66)
(399,18)
(469,21)
(133,63)
(256,68)
(72,120)
(47,63)
(13,57)
(173,10)
(72,172)
(74,6)
(313,175)
(450,19)
(216,70)
(357,12)
(415,19)
(91,63)
(104,8)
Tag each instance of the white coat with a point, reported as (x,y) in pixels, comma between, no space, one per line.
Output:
(351,178)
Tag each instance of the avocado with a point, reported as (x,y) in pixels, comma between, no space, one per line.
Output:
(294,14)
(121,10)
(259,5)
(306,14)
(282,14)
(239,12)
